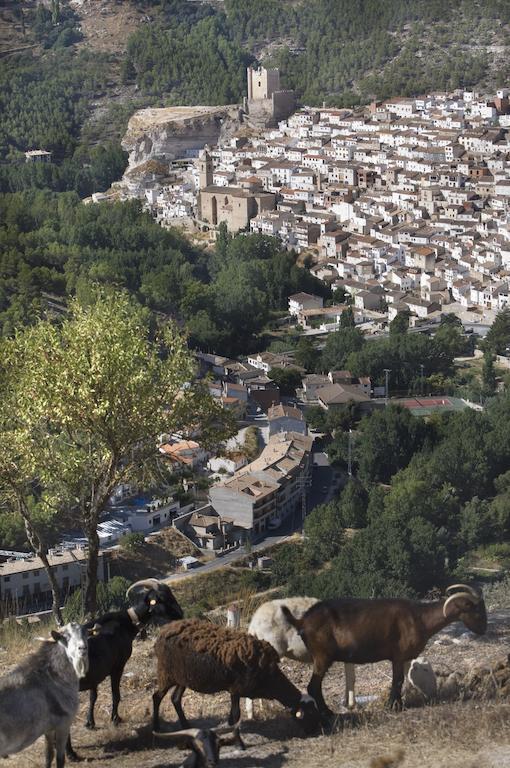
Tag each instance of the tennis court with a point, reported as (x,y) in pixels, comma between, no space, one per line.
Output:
(424,406)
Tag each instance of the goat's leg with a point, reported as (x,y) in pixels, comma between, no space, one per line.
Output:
(50,748)
(234,718)
(395,699)
(157,698)
(315,687)
(61,737)
(115,682)
(91,723)
(71,754)
(177,694)
(350,680)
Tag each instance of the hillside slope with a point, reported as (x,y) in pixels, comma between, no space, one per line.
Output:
(454,735)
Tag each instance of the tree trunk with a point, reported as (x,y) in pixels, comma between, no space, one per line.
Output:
(39,549)
(92,562)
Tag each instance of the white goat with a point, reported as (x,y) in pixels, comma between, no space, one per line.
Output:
(40,696)
(268,623)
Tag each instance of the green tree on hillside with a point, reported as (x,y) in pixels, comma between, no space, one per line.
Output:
(339,345)
(488,374)
(400,322)
(85,413)
(498,335)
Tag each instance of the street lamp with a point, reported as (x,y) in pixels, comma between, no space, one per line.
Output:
(387,372)
(349,454)
(421,378)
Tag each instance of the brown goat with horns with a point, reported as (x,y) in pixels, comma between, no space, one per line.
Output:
(364,631)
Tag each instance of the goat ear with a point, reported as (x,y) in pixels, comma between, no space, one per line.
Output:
(105,629)
(57,637)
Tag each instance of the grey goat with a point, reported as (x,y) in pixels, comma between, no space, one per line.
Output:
(39,697)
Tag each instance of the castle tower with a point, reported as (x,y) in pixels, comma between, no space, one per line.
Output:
(262,83)
(205,168)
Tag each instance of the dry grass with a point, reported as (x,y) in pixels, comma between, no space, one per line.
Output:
(460,734)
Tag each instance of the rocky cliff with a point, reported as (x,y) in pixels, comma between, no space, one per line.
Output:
(172,132)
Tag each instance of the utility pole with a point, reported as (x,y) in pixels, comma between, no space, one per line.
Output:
(349,454)
(421,378)
(387,372)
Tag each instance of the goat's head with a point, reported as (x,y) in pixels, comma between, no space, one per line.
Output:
(205,744)
(73,638)
(156,597)
(466,604)
(307,714)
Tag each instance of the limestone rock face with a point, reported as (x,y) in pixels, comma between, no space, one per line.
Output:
(168,133)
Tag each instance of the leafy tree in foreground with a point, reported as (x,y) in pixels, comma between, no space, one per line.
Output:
(90,397)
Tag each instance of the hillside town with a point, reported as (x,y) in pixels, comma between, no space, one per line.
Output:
(400,208)
(401,205)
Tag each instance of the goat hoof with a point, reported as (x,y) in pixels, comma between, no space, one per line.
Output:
(73,757)
(396,706)
(117,720)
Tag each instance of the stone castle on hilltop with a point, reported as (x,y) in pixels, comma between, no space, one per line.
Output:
(267,103)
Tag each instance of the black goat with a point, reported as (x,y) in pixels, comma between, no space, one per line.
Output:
(111,641)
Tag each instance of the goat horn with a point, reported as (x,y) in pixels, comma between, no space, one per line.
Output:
(148,583)
(464,588)
(468,595)
(226,728)
(185,736)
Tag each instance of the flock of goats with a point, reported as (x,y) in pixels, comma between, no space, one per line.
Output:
(40,695)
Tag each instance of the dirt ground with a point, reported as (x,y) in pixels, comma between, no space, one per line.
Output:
(460,734)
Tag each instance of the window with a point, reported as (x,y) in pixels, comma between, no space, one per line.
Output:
(26,590)
(37,588)
(6,579)
(36,573)
(24,576)
(65,567)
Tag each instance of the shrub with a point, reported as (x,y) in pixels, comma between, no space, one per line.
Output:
(111,596)
(132,541)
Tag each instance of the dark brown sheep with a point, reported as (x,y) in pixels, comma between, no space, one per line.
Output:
(208,659)
(367,631)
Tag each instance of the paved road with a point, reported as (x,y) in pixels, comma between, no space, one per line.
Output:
(230,558)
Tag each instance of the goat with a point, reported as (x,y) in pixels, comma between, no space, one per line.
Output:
(111,642)
(205,745)
(268,623)
(40,696)
(421,685)
(366,631)
(208,658)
